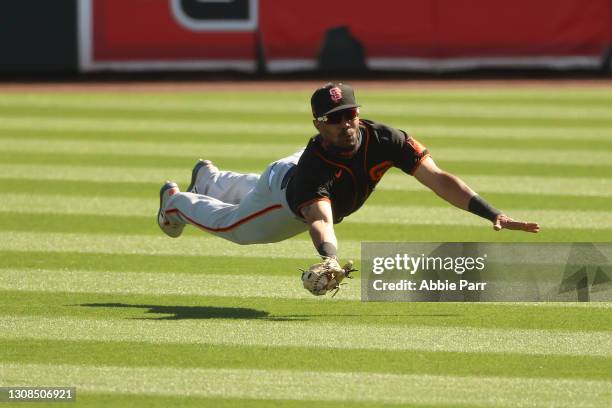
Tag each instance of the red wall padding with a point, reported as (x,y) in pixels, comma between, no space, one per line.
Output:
(146,30)
(440,28)
(521,27)
(386,27)
(143,30)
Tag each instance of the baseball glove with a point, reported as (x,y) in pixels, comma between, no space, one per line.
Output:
(326,276)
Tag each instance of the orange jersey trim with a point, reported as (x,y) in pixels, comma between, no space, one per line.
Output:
(314,200)
(334,163)
(367,146)
(229,227)
(416,166)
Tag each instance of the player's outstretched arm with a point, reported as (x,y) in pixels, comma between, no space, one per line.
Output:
(320,218)
(455,191)
(327,274)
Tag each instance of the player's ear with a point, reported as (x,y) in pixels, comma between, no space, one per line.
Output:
(316,124)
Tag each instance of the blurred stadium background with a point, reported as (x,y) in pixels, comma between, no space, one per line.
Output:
(102,100)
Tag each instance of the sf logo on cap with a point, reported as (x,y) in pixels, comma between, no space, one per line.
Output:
(336,94)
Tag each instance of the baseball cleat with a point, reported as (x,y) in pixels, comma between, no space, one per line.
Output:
(171,228)
(201,164)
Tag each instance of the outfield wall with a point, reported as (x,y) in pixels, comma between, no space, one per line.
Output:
(290,36)
(439,35)
(38,36)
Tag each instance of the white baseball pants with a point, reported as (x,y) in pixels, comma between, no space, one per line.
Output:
(242,208)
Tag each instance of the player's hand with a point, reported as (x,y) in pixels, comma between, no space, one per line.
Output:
(503,221)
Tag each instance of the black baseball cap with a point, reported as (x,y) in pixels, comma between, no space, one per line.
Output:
(332,97)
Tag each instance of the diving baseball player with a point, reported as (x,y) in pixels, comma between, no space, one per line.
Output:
(317,187)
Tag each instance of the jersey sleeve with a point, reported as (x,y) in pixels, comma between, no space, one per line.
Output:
(407,153)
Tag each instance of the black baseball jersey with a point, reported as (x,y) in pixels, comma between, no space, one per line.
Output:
(347,182)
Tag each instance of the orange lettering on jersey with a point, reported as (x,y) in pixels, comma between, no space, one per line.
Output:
(379,170)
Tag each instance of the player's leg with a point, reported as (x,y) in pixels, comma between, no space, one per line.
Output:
(250,222)
(262,216)
(226,186)
(204,212)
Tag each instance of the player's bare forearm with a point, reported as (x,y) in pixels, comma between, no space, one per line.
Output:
(454,190)
(319,216)
(321,231)
(448,186)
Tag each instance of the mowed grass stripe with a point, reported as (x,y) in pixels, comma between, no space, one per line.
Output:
(119,119)
(558,316)
(256,163)
(501,109)
(126,354)
(163,284)
(513,133)
(105,225)
(222,285)
(212,150)
(201,245)
(409,215)
(508,92)
(164,135)
(95,189)
(266,106)
(435,138)
(151,149)
(499,200)
(436,141)
(437,135)
(108,399)
(523,93)
(596,117)
(299,385)
(190,264)
(371,214)
(598,187)
(268,332)
(297,125)
(563,106)
(601,187)
(166,125)
(161,245)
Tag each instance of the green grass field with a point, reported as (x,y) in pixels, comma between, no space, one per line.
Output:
(93,295)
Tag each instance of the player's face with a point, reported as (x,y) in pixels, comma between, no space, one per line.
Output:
(341,128)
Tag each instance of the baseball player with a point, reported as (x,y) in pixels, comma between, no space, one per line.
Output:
(316,187)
